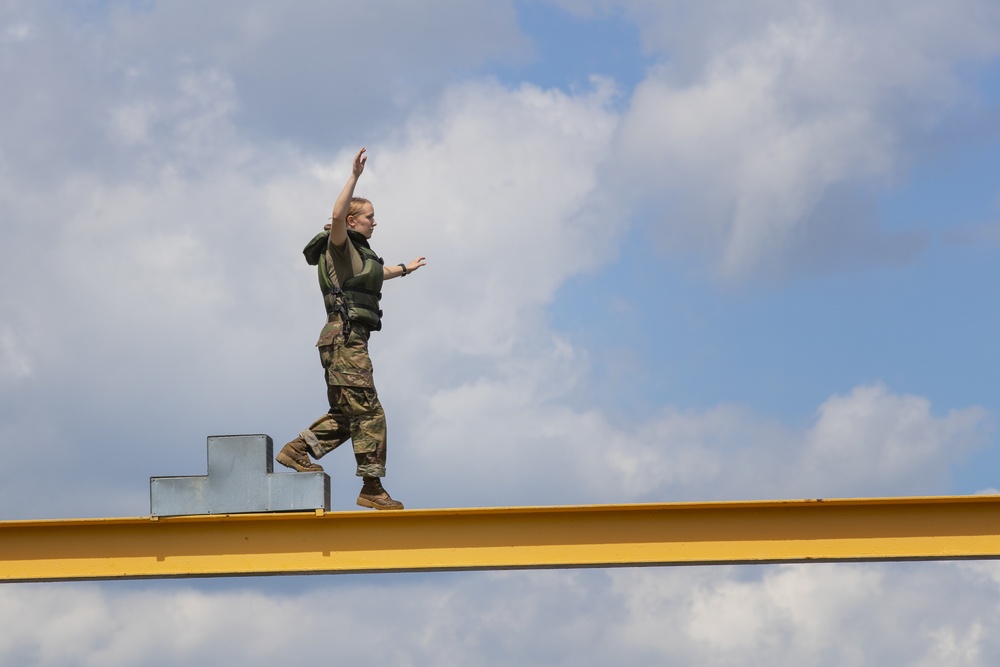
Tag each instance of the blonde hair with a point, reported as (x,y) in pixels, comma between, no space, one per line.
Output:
(357,203)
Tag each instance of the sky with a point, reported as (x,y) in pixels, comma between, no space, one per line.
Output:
(676,251)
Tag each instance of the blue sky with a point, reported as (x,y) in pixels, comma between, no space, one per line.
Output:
(676,251)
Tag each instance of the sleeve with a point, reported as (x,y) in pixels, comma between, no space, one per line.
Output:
(342,262)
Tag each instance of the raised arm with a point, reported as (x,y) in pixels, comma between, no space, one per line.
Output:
(338,225)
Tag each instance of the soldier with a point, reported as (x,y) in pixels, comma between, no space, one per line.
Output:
(350,276)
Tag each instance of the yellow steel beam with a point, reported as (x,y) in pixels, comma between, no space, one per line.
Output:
(939,528)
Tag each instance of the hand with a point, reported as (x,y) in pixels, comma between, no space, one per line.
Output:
(359,162)
(416,264)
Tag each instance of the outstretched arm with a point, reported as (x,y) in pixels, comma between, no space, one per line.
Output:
(338,224)
(396,270)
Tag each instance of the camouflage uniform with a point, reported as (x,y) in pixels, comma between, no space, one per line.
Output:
(355,411)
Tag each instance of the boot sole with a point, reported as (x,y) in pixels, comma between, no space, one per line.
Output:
(289,462)
(364,502)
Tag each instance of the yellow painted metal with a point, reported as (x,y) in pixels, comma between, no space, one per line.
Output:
(937,528)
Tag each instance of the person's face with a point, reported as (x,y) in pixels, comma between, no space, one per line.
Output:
(364,221)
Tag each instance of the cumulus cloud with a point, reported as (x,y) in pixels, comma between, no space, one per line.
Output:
(101,80)
(14,362)
(809,614)
(760,148)
(824,615)
(762,138)
(170,284)
(171,292)
(153,202)
(499,188)
(870,442)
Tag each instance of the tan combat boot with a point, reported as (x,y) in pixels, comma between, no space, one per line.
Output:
(373,495)
(295,455)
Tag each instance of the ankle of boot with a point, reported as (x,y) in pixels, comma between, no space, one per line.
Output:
(372,485)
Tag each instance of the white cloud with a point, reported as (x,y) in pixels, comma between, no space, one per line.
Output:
(18,31)
(783,614)
(534,450)
(760,139)
(742,144)
(501,189)
(846,614)
(14,361)
(823,615)
(949,649)
(169,283)
(105,85)
(155,293)
(889,437)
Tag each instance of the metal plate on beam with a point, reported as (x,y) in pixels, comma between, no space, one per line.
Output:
(240,479)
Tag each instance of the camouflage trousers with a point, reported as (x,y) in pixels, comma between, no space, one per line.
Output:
(355,411)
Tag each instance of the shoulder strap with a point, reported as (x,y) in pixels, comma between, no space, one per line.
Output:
(325,284)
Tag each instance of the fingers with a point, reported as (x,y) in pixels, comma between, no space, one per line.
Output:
(359,161)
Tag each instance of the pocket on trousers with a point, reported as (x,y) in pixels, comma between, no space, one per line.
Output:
(329,334)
